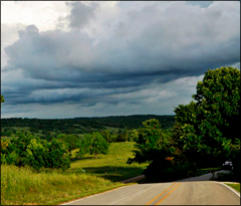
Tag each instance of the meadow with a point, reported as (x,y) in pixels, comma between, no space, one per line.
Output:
(89,175)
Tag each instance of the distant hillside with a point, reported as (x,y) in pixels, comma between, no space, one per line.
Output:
(84,124)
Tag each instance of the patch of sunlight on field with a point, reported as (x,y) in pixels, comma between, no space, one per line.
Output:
(111,166)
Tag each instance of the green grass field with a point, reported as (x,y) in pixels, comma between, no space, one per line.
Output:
(235,186)
(112,166)
(85,177)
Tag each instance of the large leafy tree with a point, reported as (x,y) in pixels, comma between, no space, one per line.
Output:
(207,129)
(93,143)
(152,143)
(98,144)
(26,149)
(157,147)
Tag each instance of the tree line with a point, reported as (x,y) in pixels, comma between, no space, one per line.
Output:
(51,127)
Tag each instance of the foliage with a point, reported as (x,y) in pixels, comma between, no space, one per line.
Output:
(122,135)
(84,145)
(93,143)
(157,146)
(107,135)
(51,128)
(207,129)
(57,156)
(205,133)
(37,153)
(71,140)
(98,144)
(2,99)
(152,143)
(23,186)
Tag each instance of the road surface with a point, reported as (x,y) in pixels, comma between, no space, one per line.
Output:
(191,191)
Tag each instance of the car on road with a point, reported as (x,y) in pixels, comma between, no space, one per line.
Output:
(227,165)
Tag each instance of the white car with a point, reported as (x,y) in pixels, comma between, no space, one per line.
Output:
(228,165)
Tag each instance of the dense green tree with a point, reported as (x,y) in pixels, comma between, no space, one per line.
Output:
(122,135)
(57,156)
(98,144)
(133,135)
(25,149)
(84,145)
(107,135)
(71,140)
(151,142)
(208,128)
(93,143)
(156,146)
(36,153)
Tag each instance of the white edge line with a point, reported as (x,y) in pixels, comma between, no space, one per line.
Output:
(69,203)
(230,188)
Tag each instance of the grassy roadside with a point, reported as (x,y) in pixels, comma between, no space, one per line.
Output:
(24,186)
(85,177)
(234,186)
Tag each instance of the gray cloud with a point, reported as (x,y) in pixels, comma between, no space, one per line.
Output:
(80,14)
(144,46)
(200,3)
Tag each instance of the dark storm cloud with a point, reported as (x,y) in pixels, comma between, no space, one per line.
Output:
(149,45)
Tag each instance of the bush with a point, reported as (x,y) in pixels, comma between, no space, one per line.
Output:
(37,153)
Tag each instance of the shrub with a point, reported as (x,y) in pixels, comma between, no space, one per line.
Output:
(37,153)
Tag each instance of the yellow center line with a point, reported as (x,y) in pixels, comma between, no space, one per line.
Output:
(170,191)
(159,195)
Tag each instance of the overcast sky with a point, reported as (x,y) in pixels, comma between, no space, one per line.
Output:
(73,59)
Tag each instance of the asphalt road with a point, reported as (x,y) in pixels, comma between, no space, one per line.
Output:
(192,191)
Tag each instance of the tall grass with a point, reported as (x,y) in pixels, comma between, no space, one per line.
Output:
(24,186)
